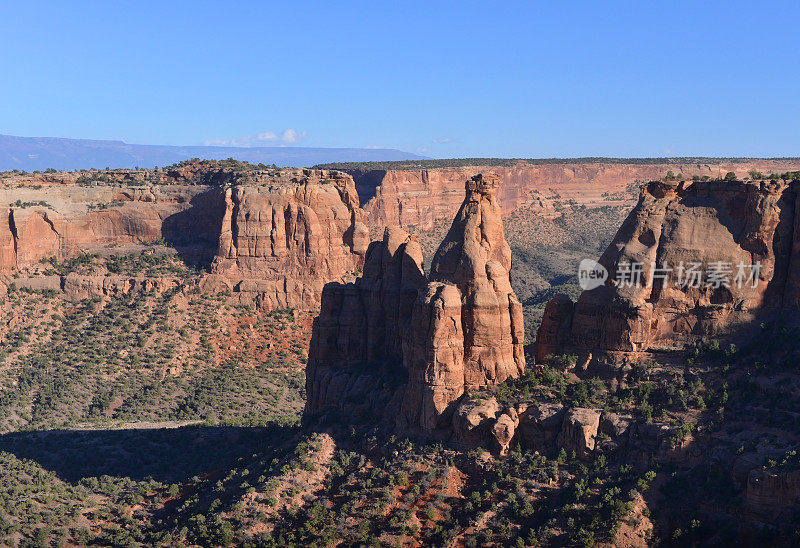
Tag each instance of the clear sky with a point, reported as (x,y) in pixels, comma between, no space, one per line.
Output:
(508,79)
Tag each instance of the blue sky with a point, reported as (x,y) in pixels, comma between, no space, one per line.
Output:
(508,79)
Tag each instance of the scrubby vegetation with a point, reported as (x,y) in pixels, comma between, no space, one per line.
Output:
(202,172)
(358,485)
(168,355)
(152,262)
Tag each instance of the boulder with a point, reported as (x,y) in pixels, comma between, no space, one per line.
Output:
(615,425)
(579,431)
(504,429)
(613,433)
(473,419)
(539,425)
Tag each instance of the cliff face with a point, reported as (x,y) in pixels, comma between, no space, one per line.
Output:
(419,197)
(459,330)
(63,222)
(276,236)
(742,237)
(285,241)
(272,236)
(358,337)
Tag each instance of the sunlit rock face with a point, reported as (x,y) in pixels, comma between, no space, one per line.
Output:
(274,237)
(743,238)
(467,328)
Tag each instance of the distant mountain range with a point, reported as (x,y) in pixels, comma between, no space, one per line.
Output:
(40,153)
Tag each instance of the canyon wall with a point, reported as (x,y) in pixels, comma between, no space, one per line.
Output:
(277,236)
(743,240)
(63,222)
(284,240)
(272,236)
(459,330)
(418,197)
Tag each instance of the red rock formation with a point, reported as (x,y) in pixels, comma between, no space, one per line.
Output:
(548,427)
(718,225)
(65,221)
(65,214)
(579,430)
(420,197)
(461,331)
(504,430)
(467,328)
(473,420)
(770,491)
(298,235)
(275,237)
(358,335)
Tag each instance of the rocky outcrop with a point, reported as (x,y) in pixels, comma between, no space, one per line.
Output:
(770,490)
(473,419)
(743,237)
(412,197)
(78,286)
(362,325)
(270,236)
(284,240)
(579,431)
(81,287)
(467,329)
(504,429)
(540,424)
(549,427)
(457,331)
(34,230)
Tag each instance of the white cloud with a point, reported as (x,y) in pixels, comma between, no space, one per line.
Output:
(423,149)
(442,140)
(290,135)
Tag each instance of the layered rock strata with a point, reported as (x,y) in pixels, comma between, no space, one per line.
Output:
(413,197)
(283,242)
(358,337)
(273,236)
(693,261)
(459,330)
